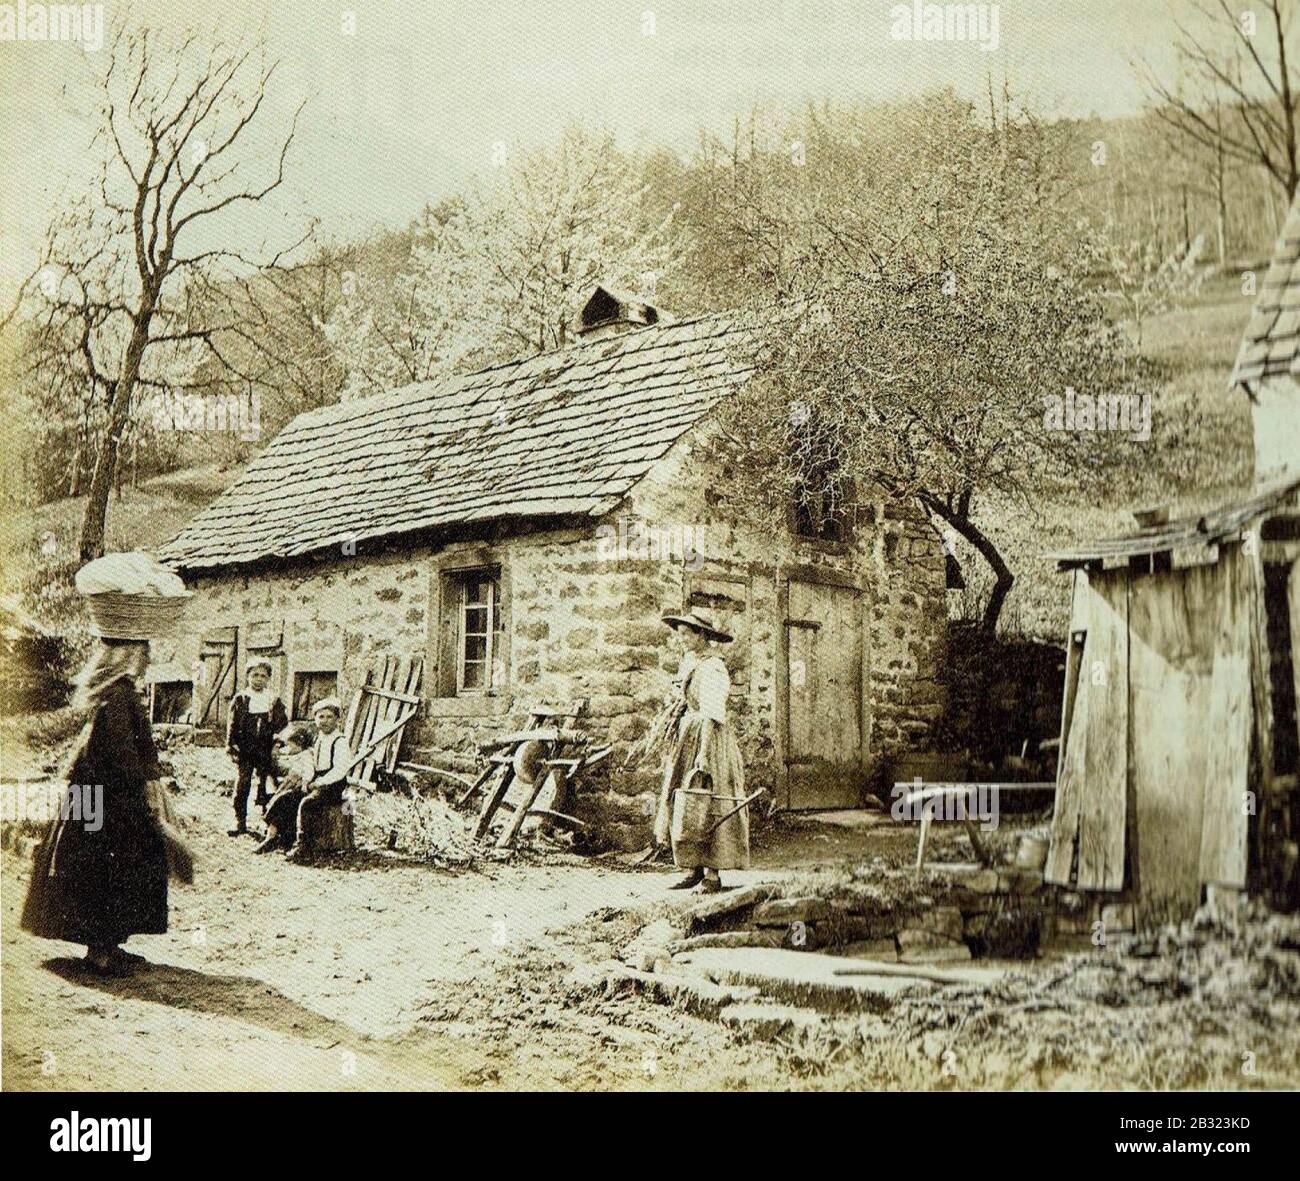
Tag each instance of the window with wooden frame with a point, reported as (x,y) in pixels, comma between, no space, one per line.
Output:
(822,492)
(476,599)
(172,701)
(309,688)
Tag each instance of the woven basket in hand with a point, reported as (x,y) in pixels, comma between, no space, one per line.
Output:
(115,615)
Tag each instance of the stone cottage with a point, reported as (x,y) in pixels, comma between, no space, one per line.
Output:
(523,528)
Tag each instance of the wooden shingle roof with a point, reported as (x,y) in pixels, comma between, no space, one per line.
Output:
(1223,523)
(556,434)
(1271,345)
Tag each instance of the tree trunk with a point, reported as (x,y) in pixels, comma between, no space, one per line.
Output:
(1003,578)
(91,544)
(1221,196)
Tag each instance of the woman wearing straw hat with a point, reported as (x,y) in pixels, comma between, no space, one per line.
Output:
(700,806)
(100,881)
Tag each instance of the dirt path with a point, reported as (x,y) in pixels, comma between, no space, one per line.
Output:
(278,975)
(393,974)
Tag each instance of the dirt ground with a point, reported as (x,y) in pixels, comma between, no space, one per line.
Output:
(391,973)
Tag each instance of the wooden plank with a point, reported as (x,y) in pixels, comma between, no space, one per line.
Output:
(354,712)
(370,720)
(404,691)
(526,801)
(1104,806)
(393,695)
(492,801)
(387,708)
(545,733)
(1071,764)
(1174,625)
(1293,611)
(227,663)
(783,692)
(1260,670)
(477,785)
(1225,821)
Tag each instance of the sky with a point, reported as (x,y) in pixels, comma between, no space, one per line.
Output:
(407,100)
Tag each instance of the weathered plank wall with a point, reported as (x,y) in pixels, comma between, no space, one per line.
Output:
(1156,744)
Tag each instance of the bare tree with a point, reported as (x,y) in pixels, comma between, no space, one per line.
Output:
(135,282)
(1237,91)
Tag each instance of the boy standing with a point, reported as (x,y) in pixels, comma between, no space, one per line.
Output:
(256,715)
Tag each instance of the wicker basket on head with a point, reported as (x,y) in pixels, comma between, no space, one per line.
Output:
(115,615)
(131,596)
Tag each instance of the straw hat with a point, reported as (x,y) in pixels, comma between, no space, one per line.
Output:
(699,621)
(131,596)
(327,703)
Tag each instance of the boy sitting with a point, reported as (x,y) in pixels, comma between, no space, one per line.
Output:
(331,762)
(257,715)
(297,763)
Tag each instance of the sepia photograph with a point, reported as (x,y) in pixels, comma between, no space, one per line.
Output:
(674,545)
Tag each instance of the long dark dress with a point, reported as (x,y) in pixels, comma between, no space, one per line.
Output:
(99,887)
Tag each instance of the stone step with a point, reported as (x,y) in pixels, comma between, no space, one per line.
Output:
(728,902)
(759,1021)
(690,991)
(806,979)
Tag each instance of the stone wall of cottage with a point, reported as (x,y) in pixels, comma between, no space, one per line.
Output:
(342,615)
(583,620)
(891,548)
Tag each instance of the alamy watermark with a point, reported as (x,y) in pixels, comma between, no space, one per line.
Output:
(946,801)
(1128,413)
(239,414)
(979,23)
(639,541)
(54,22)
(39,802)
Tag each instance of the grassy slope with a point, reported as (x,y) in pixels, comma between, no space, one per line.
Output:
(1200,453)
(38,546)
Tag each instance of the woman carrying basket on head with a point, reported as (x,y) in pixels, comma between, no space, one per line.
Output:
(701,804)
(99,883)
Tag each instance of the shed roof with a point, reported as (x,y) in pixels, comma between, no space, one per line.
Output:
(1271,344)
(1220,524)
(551,435)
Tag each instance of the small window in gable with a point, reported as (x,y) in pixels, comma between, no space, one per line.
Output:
(820,508)
(822,491)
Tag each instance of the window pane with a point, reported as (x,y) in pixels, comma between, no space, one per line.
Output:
(480,628)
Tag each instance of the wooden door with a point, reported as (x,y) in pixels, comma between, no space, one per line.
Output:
(823,675)
(217,678)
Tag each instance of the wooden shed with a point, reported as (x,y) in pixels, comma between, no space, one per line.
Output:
(1179,735)
(1178,762)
